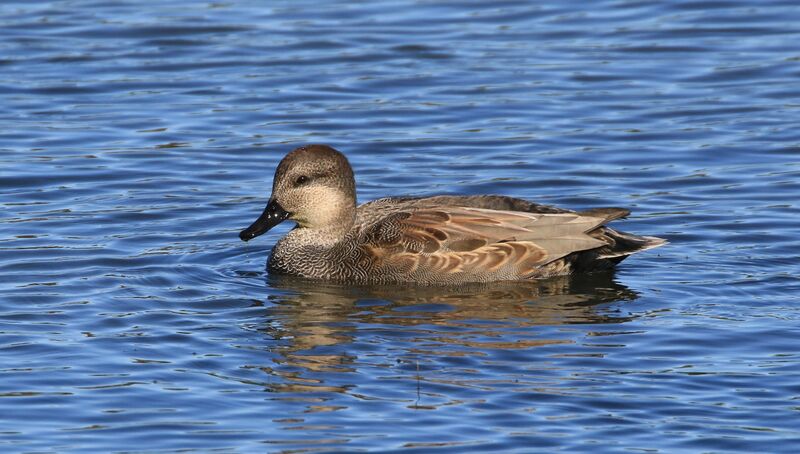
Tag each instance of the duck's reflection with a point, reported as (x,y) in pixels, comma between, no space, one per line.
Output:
(323,327)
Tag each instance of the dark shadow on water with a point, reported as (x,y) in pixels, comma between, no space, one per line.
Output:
(556,301)
(316,328)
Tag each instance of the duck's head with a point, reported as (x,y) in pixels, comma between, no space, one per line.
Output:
(313,186)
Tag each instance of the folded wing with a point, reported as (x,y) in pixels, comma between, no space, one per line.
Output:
(509,244)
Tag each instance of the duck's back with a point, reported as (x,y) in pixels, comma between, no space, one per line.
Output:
(370,212)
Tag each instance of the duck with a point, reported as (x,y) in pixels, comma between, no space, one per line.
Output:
(435,240)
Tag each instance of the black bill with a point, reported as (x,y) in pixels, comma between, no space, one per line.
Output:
(273,215)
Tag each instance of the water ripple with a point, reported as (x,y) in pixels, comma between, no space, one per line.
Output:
(137,142)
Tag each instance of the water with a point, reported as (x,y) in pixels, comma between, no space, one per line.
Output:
(135,142)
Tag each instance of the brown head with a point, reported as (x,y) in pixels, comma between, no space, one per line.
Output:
(314,186)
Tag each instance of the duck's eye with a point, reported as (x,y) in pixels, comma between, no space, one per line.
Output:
(302,179)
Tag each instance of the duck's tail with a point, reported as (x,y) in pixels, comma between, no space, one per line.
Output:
(619,244)
(623,244)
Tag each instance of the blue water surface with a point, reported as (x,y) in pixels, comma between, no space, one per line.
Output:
(137,139)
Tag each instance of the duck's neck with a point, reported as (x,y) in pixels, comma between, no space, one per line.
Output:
(320,237)
(311,249)
(313,253)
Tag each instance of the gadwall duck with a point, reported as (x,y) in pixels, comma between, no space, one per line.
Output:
(428,240)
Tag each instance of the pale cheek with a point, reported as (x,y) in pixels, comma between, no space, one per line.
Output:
(320,209)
